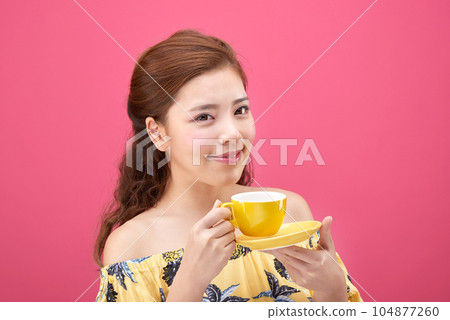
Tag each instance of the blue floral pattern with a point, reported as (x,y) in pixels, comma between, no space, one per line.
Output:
(279,294)
(214,294)
(121,269)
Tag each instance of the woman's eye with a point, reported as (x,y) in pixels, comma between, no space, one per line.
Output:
(205,114)
(245,107)
(201,117)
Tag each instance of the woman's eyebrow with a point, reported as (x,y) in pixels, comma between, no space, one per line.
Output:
(215,106)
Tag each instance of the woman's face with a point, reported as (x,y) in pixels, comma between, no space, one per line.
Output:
(215,131)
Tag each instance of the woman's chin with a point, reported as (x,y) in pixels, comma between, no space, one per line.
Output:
(225,177)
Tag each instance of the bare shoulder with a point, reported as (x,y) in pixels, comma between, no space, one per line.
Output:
(296,207)
(144,235)
(119,244)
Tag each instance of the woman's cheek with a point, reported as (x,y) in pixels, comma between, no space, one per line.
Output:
(205,141)
(193,147)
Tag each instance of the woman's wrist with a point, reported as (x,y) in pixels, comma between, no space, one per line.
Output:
(337,295)
(330,297)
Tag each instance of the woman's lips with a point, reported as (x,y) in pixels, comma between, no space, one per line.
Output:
(226,159)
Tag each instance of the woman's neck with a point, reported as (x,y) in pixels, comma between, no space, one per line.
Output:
(198,197)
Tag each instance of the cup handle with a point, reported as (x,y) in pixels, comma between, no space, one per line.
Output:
(233,219)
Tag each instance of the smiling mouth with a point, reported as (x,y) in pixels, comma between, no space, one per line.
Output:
(235,157)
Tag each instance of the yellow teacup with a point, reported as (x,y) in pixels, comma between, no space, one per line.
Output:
(257,213)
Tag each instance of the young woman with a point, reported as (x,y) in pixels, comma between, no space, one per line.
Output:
(173,242)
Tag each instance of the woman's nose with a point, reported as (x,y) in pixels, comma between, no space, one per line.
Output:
(230,132)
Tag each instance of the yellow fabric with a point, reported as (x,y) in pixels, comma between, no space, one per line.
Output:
(248,276)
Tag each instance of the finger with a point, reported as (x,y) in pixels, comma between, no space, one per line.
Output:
(223,228)
(276,253)
(326,240)
(215,215)
(294,266)
(303,254)
(231,246)
(227,238)
(218,223)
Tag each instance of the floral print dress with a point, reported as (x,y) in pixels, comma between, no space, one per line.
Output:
(248,276)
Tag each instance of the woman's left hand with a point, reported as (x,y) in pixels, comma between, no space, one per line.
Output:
(316,270)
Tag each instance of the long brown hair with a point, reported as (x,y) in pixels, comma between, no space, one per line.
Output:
(171,63)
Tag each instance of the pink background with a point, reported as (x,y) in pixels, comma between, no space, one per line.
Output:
(376,104)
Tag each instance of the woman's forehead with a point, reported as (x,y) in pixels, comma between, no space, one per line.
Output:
(220,86)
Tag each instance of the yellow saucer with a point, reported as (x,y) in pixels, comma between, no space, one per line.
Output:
(289,234)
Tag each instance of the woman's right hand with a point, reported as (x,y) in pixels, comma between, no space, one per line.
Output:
(210,244)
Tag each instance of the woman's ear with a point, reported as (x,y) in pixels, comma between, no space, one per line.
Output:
(157,134)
